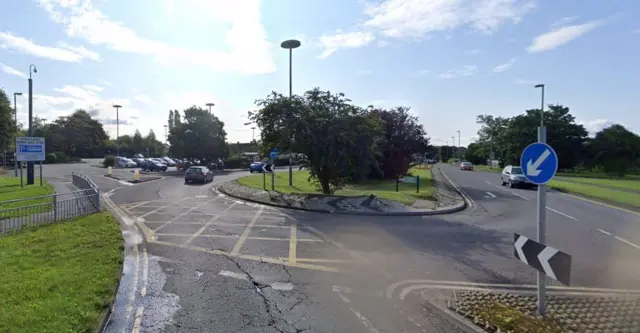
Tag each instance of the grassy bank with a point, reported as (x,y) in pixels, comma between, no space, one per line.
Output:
(59,277)
(382,188)
(604,194)
(10,190)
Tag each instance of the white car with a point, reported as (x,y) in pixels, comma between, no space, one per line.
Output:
(125,163)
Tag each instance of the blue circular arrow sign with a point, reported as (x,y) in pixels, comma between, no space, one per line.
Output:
(539,163)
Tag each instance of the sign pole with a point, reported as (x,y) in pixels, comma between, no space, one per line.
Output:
(542,204)
(40,173)
(264,181)
(30,170)
(273,180)
(21,182)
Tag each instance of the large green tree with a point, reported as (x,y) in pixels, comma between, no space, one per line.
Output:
(337,138)
(616,149)
(8,127)
(402,138)
(76,135)
(199,134)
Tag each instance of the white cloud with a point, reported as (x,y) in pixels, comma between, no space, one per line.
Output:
(560,36)
(563,21)
(146,99)
(64,51)
(597,125)
(341,39)
(503,67)
(93,87)
(420,18)
(464,71)
(471,52)
(106,83)
(12,71)
(250,52)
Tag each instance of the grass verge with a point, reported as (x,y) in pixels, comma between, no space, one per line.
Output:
(385,189)
(59,277)
(10,190)
(628,199)
(509,319)
(624,184)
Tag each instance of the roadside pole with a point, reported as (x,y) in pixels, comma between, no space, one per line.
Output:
(542,216)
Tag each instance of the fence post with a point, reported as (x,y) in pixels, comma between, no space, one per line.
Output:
(397,181)
(264,181)
(98,197)
(417,184)
(55,207)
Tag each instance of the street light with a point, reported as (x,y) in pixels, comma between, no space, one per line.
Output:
(253,132)
(30,173)
(459,144)
(453,139)
(117,106)
(541,86)
(165,133)
(290,45)
(210,105)
(15,118)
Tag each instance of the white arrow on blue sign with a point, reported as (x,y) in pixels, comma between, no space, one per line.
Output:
(539,163)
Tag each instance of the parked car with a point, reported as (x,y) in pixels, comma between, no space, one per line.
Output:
(122,162)
(198,174)
(256,167)
(514,177)
(183,165)
(138,161)
(466,166)
(138,156)
(153,165)
(168,161)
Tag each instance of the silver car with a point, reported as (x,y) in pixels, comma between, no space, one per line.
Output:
(514,177)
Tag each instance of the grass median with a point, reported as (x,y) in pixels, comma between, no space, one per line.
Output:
(624,198)
(385,189)
(59,277)
(10,189)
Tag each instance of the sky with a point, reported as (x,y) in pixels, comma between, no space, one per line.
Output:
(449,60)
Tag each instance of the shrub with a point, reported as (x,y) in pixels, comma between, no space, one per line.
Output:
(51,158)
(109,161)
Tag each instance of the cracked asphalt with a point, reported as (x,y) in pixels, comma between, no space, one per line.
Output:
(214,264)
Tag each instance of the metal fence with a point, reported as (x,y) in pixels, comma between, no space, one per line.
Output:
(36,211)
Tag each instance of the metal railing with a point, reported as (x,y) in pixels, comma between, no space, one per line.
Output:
(36,211)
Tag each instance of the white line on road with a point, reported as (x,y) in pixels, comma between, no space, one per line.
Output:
(604,232)
(504,189)
(561,213)
(627,242)
(491,194)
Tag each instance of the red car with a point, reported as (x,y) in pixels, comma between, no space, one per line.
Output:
(466,166)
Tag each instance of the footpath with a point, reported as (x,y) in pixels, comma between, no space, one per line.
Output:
(448,200)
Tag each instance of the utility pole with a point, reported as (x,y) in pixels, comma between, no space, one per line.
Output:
(30,171)
(459,145)
(117,106)
(15,119)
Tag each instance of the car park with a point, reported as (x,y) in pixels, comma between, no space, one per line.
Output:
(466,166)
(514,177)
(123,162)
(168,161)
(198,174)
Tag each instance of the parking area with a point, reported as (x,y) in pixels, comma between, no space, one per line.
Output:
(221,225)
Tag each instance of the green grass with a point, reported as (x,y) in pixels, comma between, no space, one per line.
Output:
(10,190)
(509,319)
(628,184)
(597,192)
(381,188)
(60,277)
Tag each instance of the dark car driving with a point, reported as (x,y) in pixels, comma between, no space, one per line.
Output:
(198,174)
(256,167)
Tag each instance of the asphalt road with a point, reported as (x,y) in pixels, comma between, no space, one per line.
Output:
(214,264)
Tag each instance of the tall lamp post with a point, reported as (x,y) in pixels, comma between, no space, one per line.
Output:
(30,173)
(290,45)
(210,105)
(117,106)
(453,140)
(165,132)
(459,145)
(542,204)
(15,119)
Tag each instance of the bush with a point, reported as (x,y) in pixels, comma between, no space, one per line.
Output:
(51,158)
(109,161)
(236,163)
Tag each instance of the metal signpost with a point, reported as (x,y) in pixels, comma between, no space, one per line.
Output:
(539,164)
(30,149)
(275,152)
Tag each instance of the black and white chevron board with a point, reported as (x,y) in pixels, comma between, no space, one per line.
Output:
(553,263)
(266,168)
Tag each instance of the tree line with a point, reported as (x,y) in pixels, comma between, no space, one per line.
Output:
(614,150)
(197,133)
(340,141)
(70,138)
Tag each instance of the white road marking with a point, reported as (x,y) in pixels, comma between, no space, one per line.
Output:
(561,213)
(604,232)
(627,242)
(138,320)
(364,321)
(544,257)
(282,286)
(518,246)
(201,196)
(491,194)
(125,183)
(504,189)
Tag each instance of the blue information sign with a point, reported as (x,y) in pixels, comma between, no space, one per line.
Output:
(30,149)
(274,153)
(539,163)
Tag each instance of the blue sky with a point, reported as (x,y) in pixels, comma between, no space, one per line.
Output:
(450,60)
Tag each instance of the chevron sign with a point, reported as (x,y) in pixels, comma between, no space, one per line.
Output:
(553,263)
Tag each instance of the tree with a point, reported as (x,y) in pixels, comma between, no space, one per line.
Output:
(137,143)
(616,149)
(199,134)
(170,122)
(338,139)
(8,126)
(76,135)
(402,137)
(475,153)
